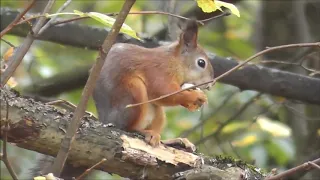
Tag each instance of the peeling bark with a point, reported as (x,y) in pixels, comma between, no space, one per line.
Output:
(39,127)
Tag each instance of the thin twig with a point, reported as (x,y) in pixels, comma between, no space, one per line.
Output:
(27,20)
(9,43)
(232,118)
(293,170)
(108,14)
(86,172)
(16,59)
(234,150)
(224,13)
(316,44)
(49,23)
(314,165)
(130,13)
(300,64)
(217,139)
(147,13)
(298,113)
(87,91)
(4,156)
(14,22)
(67,105)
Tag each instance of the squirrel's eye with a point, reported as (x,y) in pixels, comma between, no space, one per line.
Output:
(201,63)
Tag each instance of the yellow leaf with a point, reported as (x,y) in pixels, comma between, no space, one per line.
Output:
(39,178)
(108,21)
(209,6)
(234,10)
(12,82)
(248,140)
(8,53)
(232,127)
(275,128)
(102,18)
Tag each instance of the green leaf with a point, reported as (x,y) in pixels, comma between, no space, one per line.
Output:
(108,21)
(277,153)
(102,18)
(233,127)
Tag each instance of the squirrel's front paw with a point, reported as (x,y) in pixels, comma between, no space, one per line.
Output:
(152,137)
(195,99)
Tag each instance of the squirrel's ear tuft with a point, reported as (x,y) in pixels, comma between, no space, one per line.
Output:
(189,36)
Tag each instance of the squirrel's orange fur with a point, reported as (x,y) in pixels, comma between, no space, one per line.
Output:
(133,74)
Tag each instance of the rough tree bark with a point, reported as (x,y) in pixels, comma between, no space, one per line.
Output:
(262,79)
(39,127)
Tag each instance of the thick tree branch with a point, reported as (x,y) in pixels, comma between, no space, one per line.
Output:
(41,128)
(62,82)
(252,77)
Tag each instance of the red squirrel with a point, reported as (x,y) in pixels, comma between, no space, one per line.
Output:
(134,74)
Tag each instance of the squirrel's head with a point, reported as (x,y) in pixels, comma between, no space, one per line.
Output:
(197,66)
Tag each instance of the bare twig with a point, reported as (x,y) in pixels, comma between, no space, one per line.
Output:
(90,169)
(75,122)
(66,105)
(298,113)
(14,22)
(224,13)
(130,13)
(16,59)
(234,150)
(146,13)
(9,43)
(232,118)
(269,49)
(300,64)
(49,23)
(108,14)
(295,169)
(4,156)
(314,165)
(27,20)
